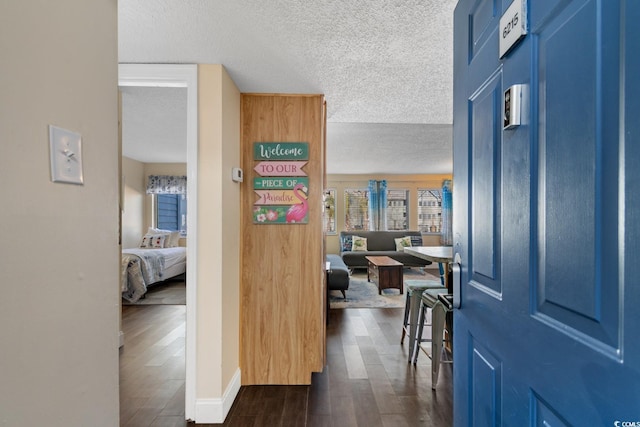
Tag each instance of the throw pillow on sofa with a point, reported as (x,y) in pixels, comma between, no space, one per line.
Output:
(346,243)
(359,244)
(416,240)
(402,242)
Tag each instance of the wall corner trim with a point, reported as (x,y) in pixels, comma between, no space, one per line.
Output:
(214,411)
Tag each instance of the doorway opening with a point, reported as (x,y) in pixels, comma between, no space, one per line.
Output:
(179,76)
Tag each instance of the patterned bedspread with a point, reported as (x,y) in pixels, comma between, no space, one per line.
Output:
(140,268)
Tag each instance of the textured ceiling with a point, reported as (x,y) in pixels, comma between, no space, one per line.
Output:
(385,68)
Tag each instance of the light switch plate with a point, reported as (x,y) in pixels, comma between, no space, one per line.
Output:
(66,155)
(236,174)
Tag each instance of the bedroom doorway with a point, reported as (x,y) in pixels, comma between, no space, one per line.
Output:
(179,76)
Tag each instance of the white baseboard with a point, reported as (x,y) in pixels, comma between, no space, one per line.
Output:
(214,411)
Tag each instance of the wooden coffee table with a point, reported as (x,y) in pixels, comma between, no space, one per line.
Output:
(385,272)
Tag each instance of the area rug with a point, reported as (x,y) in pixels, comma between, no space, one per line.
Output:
(361,293)
(364,294)
(173,292)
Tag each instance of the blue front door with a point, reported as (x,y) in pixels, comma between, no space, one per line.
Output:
(547,216)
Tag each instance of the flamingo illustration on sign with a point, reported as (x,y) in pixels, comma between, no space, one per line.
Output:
(297,212)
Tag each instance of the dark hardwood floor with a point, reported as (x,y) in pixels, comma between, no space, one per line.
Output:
(367,380)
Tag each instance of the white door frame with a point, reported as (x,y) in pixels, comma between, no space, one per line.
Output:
(186,76)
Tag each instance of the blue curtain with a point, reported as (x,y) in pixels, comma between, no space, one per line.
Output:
(382,205)
(377,205)
(446,238)
(373,204)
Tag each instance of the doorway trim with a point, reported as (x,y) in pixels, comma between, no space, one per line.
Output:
(183,76)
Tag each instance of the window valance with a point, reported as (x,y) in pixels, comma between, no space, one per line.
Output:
(167,184)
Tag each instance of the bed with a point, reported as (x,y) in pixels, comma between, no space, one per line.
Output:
(155,261)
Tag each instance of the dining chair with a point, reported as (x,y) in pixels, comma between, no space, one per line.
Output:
(441,304)
(410,326)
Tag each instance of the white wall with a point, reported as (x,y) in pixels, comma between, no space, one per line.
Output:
(134,202)
(138,213)
(218,268)
(60,255)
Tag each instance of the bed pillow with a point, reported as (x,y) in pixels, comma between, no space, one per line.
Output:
(359,244)
(157,241)
(173,237)
(174,241)
(155,231)
(402,242)
(146,241)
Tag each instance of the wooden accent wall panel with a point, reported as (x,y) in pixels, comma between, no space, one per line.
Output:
(282,278)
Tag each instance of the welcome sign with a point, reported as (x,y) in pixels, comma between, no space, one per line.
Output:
(261,183)
(280,151)
(282,185)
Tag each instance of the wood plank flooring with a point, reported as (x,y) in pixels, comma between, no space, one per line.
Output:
(367,380)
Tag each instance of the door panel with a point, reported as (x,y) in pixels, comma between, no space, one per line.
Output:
(544,415)
(546,216)
(481,24)
(578,181)
(485,115)
(486,386)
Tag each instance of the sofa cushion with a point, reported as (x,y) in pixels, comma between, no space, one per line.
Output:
(380,241)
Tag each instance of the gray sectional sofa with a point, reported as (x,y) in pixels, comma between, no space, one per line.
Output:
(379,243)
(338,275)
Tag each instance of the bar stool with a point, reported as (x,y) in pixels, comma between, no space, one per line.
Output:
(415,288)
(441,305)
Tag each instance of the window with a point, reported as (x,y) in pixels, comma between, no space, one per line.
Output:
(356,208)
(329,211)
(397,201)
(171,212)
(430,210)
